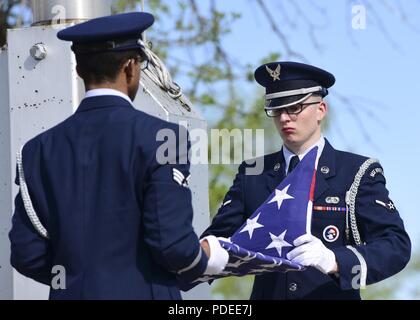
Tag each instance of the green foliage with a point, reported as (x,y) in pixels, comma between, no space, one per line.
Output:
(233,288)
(9,18)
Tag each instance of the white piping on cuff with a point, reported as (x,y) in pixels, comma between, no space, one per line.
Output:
(194,263)
(363,266)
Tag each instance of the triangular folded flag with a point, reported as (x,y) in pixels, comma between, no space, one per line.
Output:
(261,244)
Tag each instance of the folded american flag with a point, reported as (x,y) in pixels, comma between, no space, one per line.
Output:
(261,244)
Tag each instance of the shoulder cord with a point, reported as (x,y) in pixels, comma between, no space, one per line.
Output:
(27,202)
(160,75)
(351,195)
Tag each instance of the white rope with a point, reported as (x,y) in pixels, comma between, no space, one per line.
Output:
(160,75)
(27,202)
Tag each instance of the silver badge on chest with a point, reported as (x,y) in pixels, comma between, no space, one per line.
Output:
(331,233)
(332,200)
(325,170)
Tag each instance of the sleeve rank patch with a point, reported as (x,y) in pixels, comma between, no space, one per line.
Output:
(375,171)
(390,206)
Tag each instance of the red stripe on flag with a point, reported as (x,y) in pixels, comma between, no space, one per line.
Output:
(311,193)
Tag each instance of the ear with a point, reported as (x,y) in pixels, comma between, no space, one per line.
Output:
(322,110)
(129,68)
(78,71)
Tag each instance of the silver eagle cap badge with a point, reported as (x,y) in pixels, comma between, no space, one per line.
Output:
(275,74)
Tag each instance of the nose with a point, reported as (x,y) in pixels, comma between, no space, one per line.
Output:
(284,116)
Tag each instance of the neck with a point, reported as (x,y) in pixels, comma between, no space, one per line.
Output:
(299,148)
(107,85)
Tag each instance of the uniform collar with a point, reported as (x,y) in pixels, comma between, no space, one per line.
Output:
(326,161)
(275,170)
(288,155)
(106,92)
(102,101)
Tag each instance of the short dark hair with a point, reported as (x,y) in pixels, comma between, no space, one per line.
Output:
(104,66)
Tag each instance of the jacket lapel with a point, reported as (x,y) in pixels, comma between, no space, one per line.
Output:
(275,172)
(325,170)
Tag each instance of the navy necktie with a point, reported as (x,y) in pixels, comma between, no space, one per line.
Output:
(293,163)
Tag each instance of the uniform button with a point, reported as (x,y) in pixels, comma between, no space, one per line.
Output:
(293,286)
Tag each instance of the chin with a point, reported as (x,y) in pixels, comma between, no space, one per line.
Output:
(290,139)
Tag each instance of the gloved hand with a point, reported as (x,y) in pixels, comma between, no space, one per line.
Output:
(310,251)
(218,258)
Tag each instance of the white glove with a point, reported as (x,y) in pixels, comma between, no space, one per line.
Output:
(310,251)
(219,257)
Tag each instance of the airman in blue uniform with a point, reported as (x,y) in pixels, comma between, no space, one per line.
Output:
(94,198)
(358,236)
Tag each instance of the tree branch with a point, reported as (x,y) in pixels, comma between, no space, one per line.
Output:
(289,51)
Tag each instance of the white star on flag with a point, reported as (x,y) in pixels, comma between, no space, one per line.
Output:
(251,225)
(278,242)
(280,196)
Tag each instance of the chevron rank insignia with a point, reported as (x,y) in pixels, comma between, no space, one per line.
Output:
(375,171)
(180,178)
(275,74)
